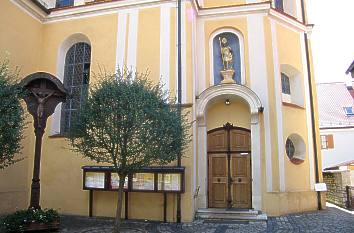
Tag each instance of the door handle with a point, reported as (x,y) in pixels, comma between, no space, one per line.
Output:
(218,180)
(239,180)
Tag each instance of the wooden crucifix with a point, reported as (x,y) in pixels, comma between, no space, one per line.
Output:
(44,93)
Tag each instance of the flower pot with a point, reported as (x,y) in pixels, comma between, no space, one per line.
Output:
(40,226)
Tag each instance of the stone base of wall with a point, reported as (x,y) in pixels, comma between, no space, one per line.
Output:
(277,204)
(336,183)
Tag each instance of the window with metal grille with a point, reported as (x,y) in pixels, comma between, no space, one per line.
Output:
(285,84)
(290,148)
(279,5)
(63,3)
(76,81)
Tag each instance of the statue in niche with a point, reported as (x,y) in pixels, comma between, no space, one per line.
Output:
(227,59)
(226,53)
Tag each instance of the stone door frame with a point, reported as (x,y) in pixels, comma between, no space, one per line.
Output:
(204,100)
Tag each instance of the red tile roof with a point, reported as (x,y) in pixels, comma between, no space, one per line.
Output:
(332,98)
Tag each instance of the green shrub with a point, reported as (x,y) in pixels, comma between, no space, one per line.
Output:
(18,221)
(12,116)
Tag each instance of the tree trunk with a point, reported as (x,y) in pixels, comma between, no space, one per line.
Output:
(118,220)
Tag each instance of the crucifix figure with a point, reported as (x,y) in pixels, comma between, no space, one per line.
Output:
(41,100)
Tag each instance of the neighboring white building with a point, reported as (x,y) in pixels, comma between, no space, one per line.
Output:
(336,119)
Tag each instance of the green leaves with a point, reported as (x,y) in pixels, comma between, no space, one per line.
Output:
(18,221)
(11,116)
(127,122)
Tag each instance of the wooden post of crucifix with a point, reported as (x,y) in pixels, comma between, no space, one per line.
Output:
(44,93)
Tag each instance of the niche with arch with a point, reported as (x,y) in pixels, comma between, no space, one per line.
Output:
(235,42)
(292,85)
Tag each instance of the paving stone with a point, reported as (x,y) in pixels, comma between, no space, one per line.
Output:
(330,220)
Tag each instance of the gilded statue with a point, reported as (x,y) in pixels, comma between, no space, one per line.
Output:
(226,54)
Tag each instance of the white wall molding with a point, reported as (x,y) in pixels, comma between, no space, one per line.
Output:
(184,53)
(200,57)
(259,83)
(278,105)
(165,34)
(194,86)
(223,90)
(92,10)
(30,9)
(330,130)
(242,52)
(132,39)
(310,145)
(290,22)
(234,10)
(121,39)
(102,9)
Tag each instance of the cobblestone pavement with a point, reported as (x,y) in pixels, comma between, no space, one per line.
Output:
(329,220)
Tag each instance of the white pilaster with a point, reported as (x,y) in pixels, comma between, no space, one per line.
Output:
(259,83)
(308,113)
(278,106)
(184,53)
(132,38)
(165,27)
(194,84)
(256,163)
(200,57)
(121,37)
(202,166)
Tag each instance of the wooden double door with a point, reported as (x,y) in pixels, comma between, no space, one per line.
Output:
(229,167)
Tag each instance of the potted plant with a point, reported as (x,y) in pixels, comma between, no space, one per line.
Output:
(31,220)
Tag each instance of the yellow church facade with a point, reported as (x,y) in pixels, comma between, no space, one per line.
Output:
(245,81)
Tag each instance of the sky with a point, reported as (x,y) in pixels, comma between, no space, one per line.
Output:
(332,38)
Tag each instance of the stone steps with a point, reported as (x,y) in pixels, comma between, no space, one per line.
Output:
(231,214)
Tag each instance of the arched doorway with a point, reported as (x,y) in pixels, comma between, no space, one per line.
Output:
(229,167)
(205,101)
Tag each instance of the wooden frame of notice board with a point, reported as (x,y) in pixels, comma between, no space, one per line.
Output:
(162,180)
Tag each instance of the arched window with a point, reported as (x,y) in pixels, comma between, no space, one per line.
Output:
(76,81)
(233,42)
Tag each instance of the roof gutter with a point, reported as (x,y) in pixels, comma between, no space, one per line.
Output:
(179,89)
(313,122)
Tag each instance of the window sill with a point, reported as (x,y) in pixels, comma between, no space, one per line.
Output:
(292,105)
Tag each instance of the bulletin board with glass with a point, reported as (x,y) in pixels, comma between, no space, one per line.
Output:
(148,179)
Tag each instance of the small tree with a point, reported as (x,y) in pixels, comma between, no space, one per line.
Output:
(128,123)
(11,116)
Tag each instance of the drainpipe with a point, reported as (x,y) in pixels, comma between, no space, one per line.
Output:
(313,122)
(179,90)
